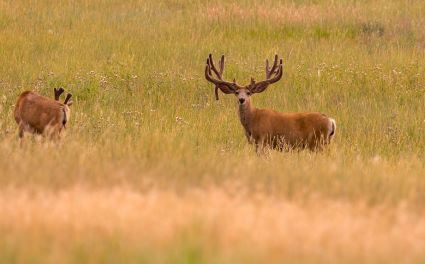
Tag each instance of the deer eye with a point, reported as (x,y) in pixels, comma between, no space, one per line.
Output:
(248,93)
(236,93)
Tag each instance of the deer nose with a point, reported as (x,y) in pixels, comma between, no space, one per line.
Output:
(241,100)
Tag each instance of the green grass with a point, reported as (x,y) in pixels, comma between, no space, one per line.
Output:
(144,116)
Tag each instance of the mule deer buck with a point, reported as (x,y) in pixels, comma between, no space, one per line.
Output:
(265,127)
(41,115)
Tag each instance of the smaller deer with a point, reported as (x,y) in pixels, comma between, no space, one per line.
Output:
(265,127)
(41,115)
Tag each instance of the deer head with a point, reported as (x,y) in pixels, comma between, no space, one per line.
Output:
(243,93)
(58,92)
(67,103)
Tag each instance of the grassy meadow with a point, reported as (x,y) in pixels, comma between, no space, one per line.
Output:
(153,169)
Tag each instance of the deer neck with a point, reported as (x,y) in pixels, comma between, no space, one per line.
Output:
(246,114)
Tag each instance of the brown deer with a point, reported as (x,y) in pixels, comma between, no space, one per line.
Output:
(265,127)
(41,115)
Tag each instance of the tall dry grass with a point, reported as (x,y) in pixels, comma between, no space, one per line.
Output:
(202,225)
(153,169)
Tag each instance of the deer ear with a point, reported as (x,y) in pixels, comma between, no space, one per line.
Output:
(68,101)
(58,92)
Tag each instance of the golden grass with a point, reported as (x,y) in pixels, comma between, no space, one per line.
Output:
(153,169)
(224,221)
(280,14)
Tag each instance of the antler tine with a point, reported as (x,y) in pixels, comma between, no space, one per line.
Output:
(208,72)
(208,67)
(220,76)
(216,92)
(208,77)
(269,72)
(225,86)
(68,97)
(218,73)
(221,65)
(273,75)
(213,68)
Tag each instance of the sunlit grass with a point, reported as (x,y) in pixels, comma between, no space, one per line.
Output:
(145,124)
(202,225)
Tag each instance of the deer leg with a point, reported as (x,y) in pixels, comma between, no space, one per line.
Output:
(318,143)
(22,128)
(260,147)
(21,132)
(249,138)
(54,136)
(53,133)
(58,134)
(257,149)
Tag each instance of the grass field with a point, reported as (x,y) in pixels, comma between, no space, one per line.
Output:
(154,170)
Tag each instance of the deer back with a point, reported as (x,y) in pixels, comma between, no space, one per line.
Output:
(38,112)
(307,127)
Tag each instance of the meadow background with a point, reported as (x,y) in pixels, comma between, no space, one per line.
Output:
(154,170)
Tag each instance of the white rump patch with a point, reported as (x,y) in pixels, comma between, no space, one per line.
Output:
(332,127)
